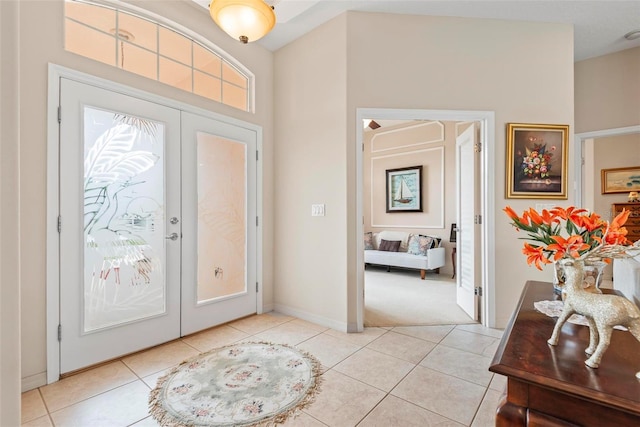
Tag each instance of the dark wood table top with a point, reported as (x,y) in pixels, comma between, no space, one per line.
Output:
(524,354)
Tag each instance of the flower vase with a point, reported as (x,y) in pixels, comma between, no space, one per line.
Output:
(591,280)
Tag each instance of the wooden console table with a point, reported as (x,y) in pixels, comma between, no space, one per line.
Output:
(551,386)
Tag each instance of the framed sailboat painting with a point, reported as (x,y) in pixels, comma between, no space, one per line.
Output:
(404,189)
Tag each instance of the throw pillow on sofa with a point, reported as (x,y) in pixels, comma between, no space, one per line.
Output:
(368,241)
(389,245)
(419,244)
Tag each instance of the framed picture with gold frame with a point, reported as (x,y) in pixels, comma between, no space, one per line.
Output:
(537,161)
(620,180)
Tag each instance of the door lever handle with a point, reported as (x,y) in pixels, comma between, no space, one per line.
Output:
(172,236)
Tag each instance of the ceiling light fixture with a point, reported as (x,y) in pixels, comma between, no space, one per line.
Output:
(632,35)
(244,20)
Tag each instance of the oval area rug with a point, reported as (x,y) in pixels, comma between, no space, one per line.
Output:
(245,384)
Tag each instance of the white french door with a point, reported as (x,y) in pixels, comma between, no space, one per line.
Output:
(157,214)
(468,274)
(219,222)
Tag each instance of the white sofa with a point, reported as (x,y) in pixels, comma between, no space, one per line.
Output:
(626,277)
(433,260)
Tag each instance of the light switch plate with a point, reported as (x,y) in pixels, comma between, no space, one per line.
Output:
(317,210)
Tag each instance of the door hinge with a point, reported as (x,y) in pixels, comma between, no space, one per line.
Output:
(363,147)
(582,161)
(257,222)
(477,219)
(59,224)
(477,147)
(478,291)
(59,114)
(256,286)
(257,156)
(59,332)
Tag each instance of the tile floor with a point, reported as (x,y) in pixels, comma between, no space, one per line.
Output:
(402,376)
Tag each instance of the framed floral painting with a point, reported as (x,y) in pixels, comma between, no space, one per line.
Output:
(537,161)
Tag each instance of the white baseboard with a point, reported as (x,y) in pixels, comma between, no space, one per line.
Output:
(34,381)
(310,317)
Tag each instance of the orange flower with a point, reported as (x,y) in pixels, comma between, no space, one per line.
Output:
(511,213)
(535,255)
(591,222)
(535,217)
(570,246)
(571,213)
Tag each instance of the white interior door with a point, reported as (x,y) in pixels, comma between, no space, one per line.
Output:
(158,212)
(468,274)
(219,222)
(119,177)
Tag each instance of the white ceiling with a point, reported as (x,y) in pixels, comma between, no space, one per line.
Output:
(599,25)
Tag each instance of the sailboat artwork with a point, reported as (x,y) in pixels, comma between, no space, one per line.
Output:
(403,194)
(404,189)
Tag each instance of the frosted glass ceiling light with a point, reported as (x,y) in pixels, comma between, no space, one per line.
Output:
(244,20)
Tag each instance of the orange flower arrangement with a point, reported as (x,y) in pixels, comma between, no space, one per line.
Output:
(569,233)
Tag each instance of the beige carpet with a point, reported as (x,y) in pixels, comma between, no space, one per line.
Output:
(400,298)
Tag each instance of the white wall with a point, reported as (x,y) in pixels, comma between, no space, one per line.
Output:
(608,91)
(310,269)
(9,216)
(398,61)
(41,42)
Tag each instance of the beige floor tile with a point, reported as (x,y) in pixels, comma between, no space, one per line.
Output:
(433,333)
(159,358)
(119,407)
(260,322)
(343,401)
(87,384)
(309,325)
(482,330)
(491,350)
(498,383)
(470,341)
(462,364)
(374,368)
(443,394)
(328,350)
(358,338)
(147,422)
(287,333)
(393,411)
(402,346)
(43,421)
(32,406)
(213,338)
(302,420)
(486,415)
(152,380)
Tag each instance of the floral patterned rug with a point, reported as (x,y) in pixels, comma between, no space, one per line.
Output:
(246,384)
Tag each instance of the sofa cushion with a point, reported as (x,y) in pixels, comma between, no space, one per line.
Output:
(389,245)
(403,236)
(368,241)
(419,244)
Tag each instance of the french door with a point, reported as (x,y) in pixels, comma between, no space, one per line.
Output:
(156,239)
(468,274)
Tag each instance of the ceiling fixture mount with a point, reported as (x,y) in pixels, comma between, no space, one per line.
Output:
(244,20)
(632,35)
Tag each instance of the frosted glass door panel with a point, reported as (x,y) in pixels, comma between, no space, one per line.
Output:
(124,219)
(222,217)
(219,227)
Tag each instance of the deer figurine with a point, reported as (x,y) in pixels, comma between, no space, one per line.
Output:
(603,312)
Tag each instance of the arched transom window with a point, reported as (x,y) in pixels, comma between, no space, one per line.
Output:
(152,49)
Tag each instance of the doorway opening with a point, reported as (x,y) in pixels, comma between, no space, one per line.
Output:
(441,208)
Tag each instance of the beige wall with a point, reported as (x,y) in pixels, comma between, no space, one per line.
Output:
(608,91)
(613,152)
(41,42)
(430,144)
(310,269)
(9,216)
(462,64)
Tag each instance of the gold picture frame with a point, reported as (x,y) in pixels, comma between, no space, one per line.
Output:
(620,180)
(537,161)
